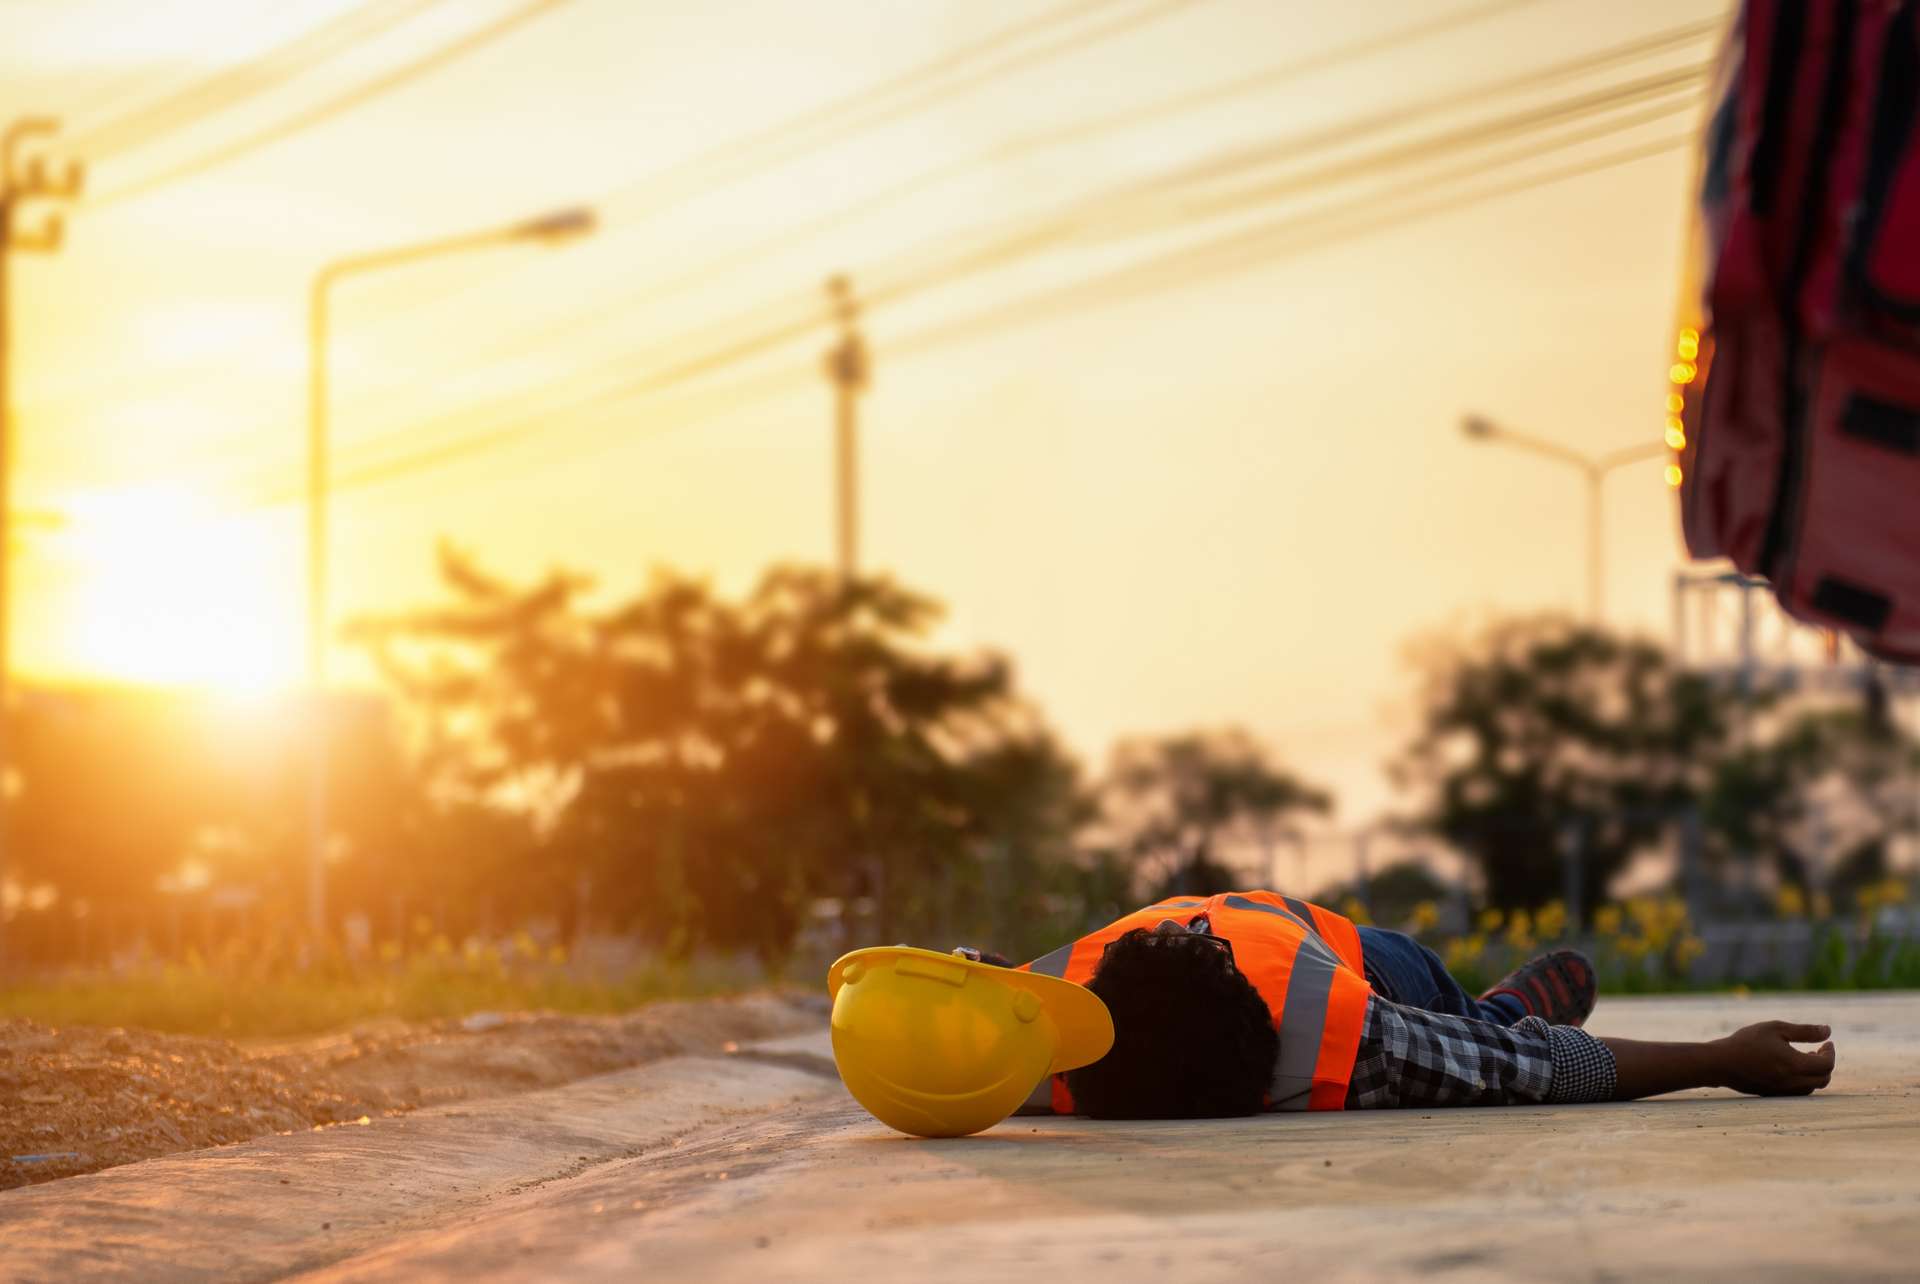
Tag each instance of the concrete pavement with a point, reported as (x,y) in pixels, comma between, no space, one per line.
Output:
(808,1187)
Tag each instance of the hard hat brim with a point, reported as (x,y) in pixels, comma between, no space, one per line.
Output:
(1082,1025)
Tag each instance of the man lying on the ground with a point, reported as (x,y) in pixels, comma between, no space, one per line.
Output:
(1229,1005)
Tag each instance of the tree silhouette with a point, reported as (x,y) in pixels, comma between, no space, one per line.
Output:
(1807,784)
(1178,803)
(698,769)
(1538,729)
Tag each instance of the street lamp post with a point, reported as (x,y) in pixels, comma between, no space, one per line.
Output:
(1593,467)
(549,229)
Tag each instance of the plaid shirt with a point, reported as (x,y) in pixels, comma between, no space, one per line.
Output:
(1411,1057)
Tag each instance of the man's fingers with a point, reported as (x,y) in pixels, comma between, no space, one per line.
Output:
(1801,1033)
(1811,1063)
(1813,1070)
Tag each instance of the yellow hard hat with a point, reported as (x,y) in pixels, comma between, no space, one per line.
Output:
(940,1046)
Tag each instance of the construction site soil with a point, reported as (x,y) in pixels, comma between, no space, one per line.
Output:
(88,1098)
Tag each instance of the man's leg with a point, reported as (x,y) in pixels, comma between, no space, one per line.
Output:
(1403,971)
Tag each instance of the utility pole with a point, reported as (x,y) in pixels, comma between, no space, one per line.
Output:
(847,366)
(20,181)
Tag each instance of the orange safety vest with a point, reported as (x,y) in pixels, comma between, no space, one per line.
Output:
(1304,960)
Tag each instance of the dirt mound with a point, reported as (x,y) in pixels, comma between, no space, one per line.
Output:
(90,1098)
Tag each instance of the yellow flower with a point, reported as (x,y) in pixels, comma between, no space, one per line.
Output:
(389,951)
(1551,922)
(1607,920)
(1659,921)
(523,945)
(1425,915)
(1689,948)
(557,955)
(1465,951)
(1490,920)
(1353,909)
(1520,930)
(1790,901)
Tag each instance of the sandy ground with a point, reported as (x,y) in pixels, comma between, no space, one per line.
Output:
(757,1166)
(91,1098)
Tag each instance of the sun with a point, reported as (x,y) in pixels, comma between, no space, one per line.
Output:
(166,590)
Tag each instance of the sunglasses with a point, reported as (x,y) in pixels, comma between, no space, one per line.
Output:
(1187,934)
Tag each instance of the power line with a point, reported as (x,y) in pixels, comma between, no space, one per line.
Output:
(1279,240)
(263,72)
(1266,79)
(957,59)
(1664,86)
(1025,242)
(1289,147)
(856,112)
(1025,311)
(1033,235)
(827,114)
(424,65)
(671,376)
(1035,232)
(822,126)
(1372,212)
(119,89)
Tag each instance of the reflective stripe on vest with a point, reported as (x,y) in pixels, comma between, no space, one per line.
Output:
(1304,960)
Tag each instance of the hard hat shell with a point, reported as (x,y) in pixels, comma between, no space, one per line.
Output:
(940,1046)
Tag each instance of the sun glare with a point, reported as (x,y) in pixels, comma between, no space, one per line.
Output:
(169,591)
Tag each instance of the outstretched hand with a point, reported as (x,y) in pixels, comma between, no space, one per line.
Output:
(1762,1060)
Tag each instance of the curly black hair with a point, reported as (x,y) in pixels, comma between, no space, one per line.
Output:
(1192,1038)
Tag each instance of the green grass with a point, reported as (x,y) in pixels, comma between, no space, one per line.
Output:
(232,1004)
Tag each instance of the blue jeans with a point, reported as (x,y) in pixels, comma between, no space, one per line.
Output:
(1403,971)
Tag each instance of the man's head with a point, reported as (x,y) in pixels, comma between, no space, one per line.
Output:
(1192,1038)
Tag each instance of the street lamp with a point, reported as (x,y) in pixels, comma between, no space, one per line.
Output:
(554,228)
(1593,467)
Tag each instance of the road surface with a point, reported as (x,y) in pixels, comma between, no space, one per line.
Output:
(759,1167)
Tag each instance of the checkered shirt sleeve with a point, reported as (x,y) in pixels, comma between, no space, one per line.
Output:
(1583,1067)
(1410,1057)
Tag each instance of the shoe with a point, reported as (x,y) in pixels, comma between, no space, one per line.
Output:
(1560,988)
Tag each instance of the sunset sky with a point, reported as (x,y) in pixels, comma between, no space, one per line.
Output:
(1231,495)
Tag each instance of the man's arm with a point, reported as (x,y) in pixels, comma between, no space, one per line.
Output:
(1411,1057)
(1760,1060)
